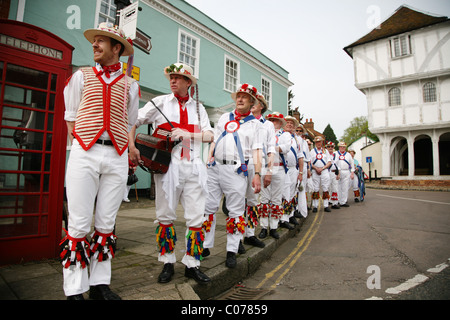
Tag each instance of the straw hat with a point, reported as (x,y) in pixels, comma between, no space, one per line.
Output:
(182,70)
(277,116)
(318,138)
(291,118)
(342,144)
(263,102)
(246,88)
(108,30)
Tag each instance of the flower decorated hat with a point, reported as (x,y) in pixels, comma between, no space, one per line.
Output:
(246,88)
(276,116)
(182,70)
(107,29)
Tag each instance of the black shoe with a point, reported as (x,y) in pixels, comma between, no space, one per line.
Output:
(293,221)
(205,252)
(297,214)
(166,273)
(102,292)
(356,200)
(231,260)
(336,206)
(241,249)
(263,234)
(314,210)
(253,241)
(345,205)
(327,209)
(286,225)
(197,275)
(274,234)
(76,297)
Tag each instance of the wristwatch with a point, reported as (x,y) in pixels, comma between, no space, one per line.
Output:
(259,174)
(269,171)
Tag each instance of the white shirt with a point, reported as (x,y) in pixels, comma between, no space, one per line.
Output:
(292,159)
(319,158)
(249,136)
(268,138)
(168,104)
(73,93)
(344,161)
(283,140)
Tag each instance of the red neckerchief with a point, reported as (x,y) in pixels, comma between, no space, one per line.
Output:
(182,99)
(238,116)
(184,123)
(106,70)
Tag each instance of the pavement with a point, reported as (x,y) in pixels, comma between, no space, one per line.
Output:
(135,268)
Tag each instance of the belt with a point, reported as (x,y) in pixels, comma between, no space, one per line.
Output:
(105,142)
(278,164)
(229,162)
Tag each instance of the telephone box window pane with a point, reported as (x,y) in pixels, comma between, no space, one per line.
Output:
(51,104)
(53,82)
(25,97)
(26,76)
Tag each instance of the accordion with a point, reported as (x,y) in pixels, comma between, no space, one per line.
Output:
(155,150)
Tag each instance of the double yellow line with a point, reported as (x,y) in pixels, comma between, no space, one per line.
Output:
(301,247)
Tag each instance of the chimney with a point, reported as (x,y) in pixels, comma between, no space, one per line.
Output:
(309,124)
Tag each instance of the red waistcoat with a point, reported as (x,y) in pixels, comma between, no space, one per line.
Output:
(102,109)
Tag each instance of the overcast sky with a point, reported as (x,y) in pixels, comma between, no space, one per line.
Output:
(307,39)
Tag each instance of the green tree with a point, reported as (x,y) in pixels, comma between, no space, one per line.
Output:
(329,134)
(290,98)
(359,127)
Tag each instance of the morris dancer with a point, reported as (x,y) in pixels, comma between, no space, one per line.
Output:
(268,139)
(271,207)
(354,184)
(344,162)
(237,138)
(320,176)
(185,180)
(101,107)
(334,176)
(302,197)
(294,159)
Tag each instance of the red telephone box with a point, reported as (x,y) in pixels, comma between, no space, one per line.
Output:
(34,65)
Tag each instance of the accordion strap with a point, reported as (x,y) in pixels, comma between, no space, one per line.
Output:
(162,114)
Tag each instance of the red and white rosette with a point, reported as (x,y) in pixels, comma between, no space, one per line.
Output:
(232,126)
(341,157)
(319,156)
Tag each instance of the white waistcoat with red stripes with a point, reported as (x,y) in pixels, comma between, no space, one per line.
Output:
(102,109)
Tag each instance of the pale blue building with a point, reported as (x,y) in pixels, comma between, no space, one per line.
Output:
(179,33)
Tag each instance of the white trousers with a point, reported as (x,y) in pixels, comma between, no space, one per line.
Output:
(291,191)
(302,206)
(344,186)
(273,194)
(322,180)
(190,194)
(97,173)
(252,199)
(224,180)
(334,188)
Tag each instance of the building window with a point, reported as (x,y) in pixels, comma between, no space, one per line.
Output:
(106,11)
(400,46)
(394,97)
(266,90)
(231,74)
(429,92)
(188,51)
